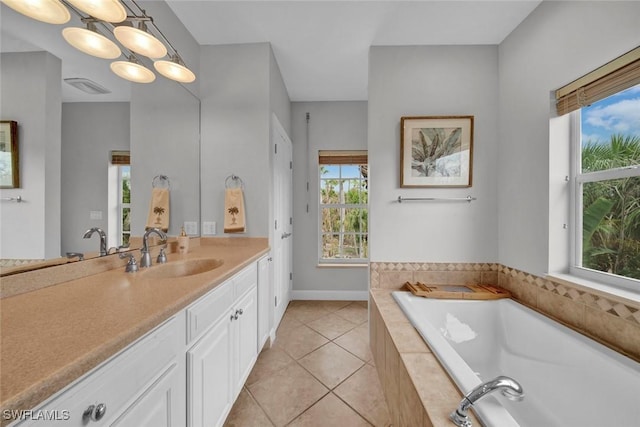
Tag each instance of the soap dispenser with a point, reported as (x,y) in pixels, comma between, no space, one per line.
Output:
(183,242)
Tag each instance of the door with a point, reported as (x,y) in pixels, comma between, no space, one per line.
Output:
(210,376)
(161,405)
(246,333)
(283,219)
(264,300)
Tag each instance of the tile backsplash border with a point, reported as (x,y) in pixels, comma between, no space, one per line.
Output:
(608,319)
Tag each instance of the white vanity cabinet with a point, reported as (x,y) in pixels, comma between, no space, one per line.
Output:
(187,371)
(265,300)
(222,357)
(143,385)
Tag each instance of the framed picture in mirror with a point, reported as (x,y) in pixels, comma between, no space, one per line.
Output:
(9,158)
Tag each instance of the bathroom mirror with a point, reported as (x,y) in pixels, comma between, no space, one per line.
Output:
(158,123)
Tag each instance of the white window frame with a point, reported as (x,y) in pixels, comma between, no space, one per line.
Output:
(322,206)
(578,179)
(122,206)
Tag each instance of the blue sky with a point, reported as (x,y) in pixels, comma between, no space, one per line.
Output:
(619,113)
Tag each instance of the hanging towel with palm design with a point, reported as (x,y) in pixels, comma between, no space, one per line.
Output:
(234,216)
(159,209)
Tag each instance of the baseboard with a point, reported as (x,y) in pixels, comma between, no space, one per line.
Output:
(330,295)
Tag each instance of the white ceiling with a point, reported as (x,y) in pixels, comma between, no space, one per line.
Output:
(321,46)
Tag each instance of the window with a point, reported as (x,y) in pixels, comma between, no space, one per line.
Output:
(124,205)
(343,216)
(607,189)
(120,198)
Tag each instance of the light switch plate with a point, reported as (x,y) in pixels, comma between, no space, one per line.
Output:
(191,228)
(95,214)
(208,228)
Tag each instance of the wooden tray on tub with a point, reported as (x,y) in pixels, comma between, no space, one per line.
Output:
(474,292)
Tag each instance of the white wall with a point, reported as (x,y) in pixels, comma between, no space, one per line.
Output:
(165,132)
(31,95)
(90,131)
(557,43)
(333,126)
(240,90)
(432,81)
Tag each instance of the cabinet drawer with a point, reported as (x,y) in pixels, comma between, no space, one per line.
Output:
(245,280)
(204,313)
(117,382)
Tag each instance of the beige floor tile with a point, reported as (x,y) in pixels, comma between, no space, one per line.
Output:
(300,341)
(269,361)
(363,392)
(355,313)
(332,305)
(287,393)
(330,411)
(307,312)
(356,341)
(247,413)
(287,324)
(331,326)
(331,364)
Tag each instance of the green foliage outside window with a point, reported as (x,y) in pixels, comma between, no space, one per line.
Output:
(611,208)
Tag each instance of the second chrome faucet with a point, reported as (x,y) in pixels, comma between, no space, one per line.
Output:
(145,261)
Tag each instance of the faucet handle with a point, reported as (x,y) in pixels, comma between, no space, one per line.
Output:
(162,257)
(132,265)
(80,255)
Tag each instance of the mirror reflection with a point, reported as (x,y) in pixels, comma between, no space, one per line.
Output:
(88,160)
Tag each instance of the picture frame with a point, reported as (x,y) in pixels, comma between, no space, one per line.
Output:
(9,156)
(436,151)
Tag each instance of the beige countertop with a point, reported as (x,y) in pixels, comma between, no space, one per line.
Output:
(52,336)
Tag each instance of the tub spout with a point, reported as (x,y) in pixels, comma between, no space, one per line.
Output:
(509,388)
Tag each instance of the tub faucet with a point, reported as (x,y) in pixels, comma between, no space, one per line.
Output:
(509,388)
(103,238)
(145,261)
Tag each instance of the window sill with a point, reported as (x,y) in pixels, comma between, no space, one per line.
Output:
(599,288)
(342,265)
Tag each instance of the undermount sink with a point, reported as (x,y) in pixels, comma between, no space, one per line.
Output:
(182,268)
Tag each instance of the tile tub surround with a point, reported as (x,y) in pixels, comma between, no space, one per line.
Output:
(418,390)
(610,320)
(61,322)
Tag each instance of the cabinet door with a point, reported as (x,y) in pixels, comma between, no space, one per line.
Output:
(209,376)
(246,333)
(162,404)
(264,301)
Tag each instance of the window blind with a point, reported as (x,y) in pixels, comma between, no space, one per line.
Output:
(343,157)
(613,77)
(120,157)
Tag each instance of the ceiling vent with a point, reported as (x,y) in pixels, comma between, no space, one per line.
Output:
(87,85)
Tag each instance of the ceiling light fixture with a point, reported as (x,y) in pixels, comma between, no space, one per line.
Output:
(132,70)
(174,69)
(89,41)
(112,15)
(49,11)
(140,40)
(104,10)
(86,85)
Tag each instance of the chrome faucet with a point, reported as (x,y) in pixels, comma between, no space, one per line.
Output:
(509,388)
(145,261)
(103,238)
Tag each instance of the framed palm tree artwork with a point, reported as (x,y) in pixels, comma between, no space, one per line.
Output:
(436,151)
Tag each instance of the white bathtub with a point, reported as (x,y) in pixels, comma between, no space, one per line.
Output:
(568,379)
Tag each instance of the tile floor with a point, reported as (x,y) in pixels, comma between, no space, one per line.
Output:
(319,372)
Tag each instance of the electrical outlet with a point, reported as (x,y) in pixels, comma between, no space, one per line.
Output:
(208,228)
(191,228)
(95,215)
